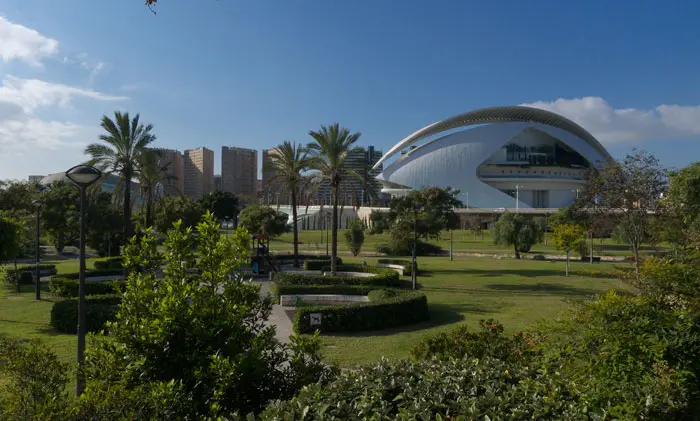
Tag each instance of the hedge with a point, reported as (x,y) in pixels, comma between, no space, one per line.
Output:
(386,308)
(278,290)
(111,263)
(318,264)
(384,277)
(92,273)
(26,273)
(64,287)
(99,310)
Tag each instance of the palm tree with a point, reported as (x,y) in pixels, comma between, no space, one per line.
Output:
(331,147)
(288,162)
(151,170)
(122,144)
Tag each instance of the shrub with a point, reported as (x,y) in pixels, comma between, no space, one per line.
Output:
(460,343)
(384,277)
(319,263)
(64,287)
(94,273)
(538,257)
(26,278)
(452,389)
(278,290)
(99,310)
(404,247)
(384,310)
(355,236)
(114,263)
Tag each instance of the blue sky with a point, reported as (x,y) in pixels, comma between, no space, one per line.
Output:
(255,73)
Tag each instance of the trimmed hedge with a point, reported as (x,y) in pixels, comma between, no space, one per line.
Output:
(318,264)
(92,273)
(385,277)
(26,273)
(64,287)
(278,290)
(111,263)
(99,310)
(386,308)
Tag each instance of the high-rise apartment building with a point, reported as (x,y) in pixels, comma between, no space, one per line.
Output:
(353,190)
(173,181)
(270,187)
(199,172)
(239,172)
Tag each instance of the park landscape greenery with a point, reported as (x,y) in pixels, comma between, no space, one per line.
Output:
(487,337)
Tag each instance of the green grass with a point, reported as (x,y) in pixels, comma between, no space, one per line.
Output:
(517,293)
(464,241)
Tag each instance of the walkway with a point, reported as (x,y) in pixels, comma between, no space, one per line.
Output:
(279,316)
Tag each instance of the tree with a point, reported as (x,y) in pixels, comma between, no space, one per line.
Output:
(221,204)
(103,224)
(517,230)
(204,335)
(263,220)
(10,237)
(59,214)
(150,171)
(355,236)
(379,222)
(17,196)
(474,225)
(288,162)
(332,145)
(173,209)
(629,191)
(568,237)
(123,143)
(682,205)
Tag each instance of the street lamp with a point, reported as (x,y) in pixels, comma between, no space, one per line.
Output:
(517,197)
(414,265)
(577,190)
(328,221)
(37,204)
(227,220)
(82,176)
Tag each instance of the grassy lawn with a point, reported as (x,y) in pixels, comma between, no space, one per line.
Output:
(517,293)
(464,241)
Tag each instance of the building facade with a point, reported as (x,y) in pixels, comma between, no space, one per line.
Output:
(506,157)
(199,172)
(239,171)
(173,183)
(354,190)
(270,187)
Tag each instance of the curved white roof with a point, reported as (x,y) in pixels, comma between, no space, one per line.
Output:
(514,113)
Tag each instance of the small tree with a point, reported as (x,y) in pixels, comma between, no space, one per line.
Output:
(568,237)
(517,230)
(474,225)
(263,220)
(10,240)
(355,236)
(221,204)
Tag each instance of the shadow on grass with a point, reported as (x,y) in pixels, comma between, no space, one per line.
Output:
(546,289)
(527,273)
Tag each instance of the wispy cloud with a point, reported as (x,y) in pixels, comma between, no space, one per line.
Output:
(18,42)
(612,125)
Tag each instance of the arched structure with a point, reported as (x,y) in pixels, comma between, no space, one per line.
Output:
(536,155)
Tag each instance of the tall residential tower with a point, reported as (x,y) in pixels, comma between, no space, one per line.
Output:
(239,172)
(199,172)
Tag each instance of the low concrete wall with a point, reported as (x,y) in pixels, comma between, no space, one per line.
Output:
(291,300)
(397,268)
(351,274)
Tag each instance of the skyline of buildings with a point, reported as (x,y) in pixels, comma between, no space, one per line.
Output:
(199,172)
(239,171)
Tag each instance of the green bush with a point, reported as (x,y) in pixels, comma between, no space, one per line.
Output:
(460,343)
(355,236)
(318,263)
(404,247)
(453,389)
(99,310)
(64,287)
(278,290)
(384,310)
(114,263)
(26,278)
(92,273)
(384,277)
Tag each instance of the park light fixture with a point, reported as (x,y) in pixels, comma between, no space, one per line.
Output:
(82,176)
(37,285)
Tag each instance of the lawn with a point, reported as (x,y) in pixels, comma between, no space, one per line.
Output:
(517,293)
(464,241)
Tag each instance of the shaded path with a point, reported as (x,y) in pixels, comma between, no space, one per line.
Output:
(278,316)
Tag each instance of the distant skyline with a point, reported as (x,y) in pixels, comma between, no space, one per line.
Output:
(253,74)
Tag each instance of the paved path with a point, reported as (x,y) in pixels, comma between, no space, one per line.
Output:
(279,317)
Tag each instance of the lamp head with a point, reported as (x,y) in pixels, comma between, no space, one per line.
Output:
(83,175)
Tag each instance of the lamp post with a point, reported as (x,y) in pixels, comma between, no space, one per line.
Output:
(82,176)
(517,197)
(414,265)
(328,221)
(467,193)
(37,284)
(576,191)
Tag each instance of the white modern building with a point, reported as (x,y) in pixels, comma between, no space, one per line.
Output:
(494,155)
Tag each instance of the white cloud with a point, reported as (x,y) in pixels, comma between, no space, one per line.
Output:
(31,94)
(611,125)
(18,42)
